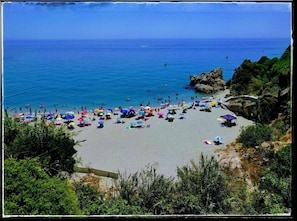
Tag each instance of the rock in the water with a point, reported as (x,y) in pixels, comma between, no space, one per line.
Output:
(208,83)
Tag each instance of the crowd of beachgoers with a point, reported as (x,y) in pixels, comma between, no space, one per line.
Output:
(129,138)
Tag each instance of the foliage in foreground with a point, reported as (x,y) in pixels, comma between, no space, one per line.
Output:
(28,190)
(275,186)
(93,203)
(53,146)
(200,188)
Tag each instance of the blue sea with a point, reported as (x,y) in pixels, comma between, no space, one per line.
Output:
(69,75)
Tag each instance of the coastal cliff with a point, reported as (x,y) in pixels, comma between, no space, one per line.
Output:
(259,91)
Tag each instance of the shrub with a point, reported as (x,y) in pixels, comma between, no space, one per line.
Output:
(28,190)
(254,135)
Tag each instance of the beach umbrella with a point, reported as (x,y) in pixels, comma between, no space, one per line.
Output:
(50,115)
(218,138)
(100,122)
(160,113)
(213,103)
(170,116)
(80,118)
(124,111)
(29,117)
(228,117)
(132,124)
(141,113)
(185,106)
(68,117)
(84,112)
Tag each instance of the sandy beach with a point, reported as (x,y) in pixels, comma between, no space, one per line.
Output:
(117,147)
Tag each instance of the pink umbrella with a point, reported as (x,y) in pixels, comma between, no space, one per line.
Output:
(84,112)
(160,113)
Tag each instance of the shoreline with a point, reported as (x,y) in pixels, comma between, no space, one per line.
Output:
(117,147)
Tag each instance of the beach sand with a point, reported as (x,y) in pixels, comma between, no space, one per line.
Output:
(119,148)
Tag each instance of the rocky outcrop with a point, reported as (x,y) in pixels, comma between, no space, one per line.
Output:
(264,108)
(243,106)
(208,83)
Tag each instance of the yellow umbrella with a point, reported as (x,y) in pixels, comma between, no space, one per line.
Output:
(213,103)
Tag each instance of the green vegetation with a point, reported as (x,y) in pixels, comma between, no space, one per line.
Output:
(204,187)
(37,154)
(254,135)
(201,188)
(28,190)
(269,80)
(93,203)
(273,194)
(266,76)
(53,146)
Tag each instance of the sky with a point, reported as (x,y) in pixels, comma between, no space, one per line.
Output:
(146,20)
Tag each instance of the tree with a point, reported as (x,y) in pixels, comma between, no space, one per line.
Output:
(28,190)
(53,146)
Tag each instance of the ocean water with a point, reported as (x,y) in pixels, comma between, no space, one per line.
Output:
(71,75)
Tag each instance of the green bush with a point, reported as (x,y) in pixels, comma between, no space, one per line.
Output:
(254,135)
(202,188)
(93,203)
(53,146)
(28,190)
(148,190)
(275,186)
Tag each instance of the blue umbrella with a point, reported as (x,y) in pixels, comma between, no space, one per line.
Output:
(68,117)
(218,138)
(132,124)
(100,122)
(141,112)
(124,111)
